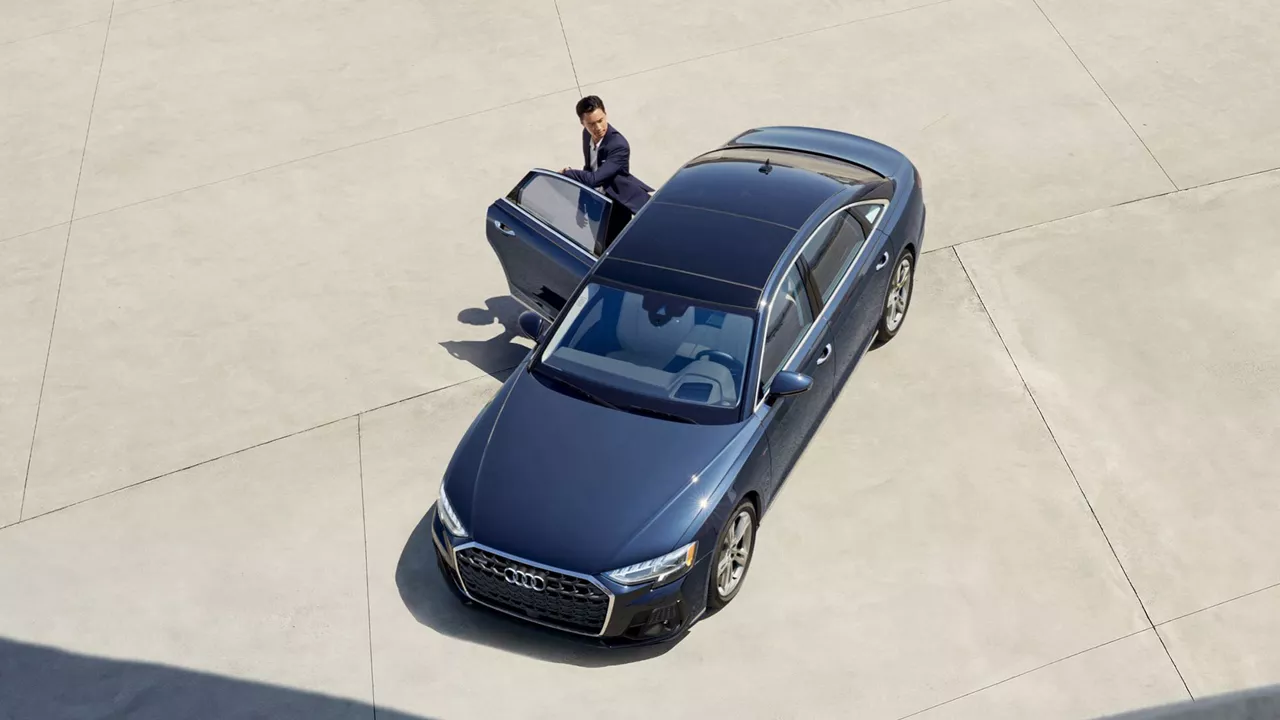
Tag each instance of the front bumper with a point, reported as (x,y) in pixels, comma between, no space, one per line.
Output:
(635,615)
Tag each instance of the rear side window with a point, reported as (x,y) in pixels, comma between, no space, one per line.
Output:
(566,207)
(869,212)
(833,250)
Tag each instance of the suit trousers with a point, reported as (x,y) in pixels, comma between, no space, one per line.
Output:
(619,216)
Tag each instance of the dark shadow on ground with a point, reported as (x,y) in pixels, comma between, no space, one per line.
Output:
(427,596)
(498,353)
(44,683)
(1257,704)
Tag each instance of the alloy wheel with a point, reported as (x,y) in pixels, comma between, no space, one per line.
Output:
(735,553)
(899,294)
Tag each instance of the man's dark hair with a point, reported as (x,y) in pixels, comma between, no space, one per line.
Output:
(589,104)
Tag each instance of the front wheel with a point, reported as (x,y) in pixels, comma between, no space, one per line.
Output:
(734,550)
(898,297)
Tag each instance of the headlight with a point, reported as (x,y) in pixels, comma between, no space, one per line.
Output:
(661,569)
(448,516)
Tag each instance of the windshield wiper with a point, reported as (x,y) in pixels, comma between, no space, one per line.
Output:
(581,391)
(659,414)
(637,409)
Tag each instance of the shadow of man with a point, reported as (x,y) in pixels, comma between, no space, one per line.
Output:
(497,354)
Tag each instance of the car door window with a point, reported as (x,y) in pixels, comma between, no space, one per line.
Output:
(790,316)
(870,212)
(568,208)
(832,250)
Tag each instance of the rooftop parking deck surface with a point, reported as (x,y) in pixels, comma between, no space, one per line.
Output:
(247,310)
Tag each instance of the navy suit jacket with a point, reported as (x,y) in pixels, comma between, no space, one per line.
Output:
(613,175)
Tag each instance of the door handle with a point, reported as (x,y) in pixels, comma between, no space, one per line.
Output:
(884,260)
(825,354)
(503,228)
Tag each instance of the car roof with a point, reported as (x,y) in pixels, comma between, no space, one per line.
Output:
(710,243)
(729,214)
(734,179)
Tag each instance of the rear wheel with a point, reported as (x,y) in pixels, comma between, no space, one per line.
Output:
(734,550)
(898,297)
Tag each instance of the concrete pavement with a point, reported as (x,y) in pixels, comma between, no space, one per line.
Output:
(247,310)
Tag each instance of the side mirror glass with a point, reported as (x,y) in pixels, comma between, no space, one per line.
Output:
(788,383)
(532,325)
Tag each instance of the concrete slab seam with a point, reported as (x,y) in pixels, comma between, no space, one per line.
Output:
(25,233)
(1026,672)
(1082,213)
(90,22)
(252,447)
(1061,453)
(1105,94)
(37,36)
(1219,604)
(66,247)
(567,49)
(780,38)
(364,531)
(322,153)
(578,88)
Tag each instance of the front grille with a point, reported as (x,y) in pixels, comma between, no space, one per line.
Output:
(568,601)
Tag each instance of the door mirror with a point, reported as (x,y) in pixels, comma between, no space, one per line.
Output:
(787,383)
(532,325)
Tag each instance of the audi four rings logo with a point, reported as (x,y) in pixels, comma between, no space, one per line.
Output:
(536,583)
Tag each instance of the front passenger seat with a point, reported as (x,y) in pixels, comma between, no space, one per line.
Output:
(644,343)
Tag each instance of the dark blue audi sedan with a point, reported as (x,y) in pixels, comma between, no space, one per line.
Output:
(613,487)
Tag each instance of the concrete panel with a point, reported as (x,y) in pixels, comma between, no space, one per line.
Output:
(610,40)
(938,525)
(1231,647)
(250,567)
(128,6)
(1148,335)
(888,579)
(29,269)
(223,317)
(1129,674)
(1006,127)
(47,86)
(20,19)
(1201,83)
(194,92)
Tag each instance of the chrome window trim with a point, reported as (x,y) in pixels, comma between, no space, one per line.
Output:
(826,308)
(608,615)
(764,337)
(591,258)
(566,178)
(573,246)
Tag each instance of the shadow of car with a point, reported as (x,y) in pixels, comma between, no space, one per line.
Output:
(432,603)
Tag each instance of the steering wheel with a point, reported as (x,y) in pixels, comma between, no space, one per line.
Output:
(721,357)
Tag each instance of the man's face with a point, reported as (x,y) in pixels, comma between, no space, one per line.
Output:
(596,122)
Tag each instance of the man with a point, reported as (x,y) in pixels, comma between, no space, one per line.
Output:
(606,158)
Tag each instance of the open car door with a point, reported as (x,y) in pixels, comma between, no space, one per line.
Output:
(547,233)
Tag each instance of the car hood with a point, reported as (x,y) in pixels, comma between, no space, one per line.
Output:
(575,485)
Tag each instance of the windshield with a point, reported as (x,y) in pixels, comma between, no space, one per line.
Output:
(654,350)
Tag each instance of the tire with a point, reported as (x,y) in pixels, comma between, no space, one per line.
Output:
(897,297)
(744,514)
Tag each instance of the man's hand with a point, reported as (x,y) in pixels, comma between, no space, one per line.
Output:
(565,170)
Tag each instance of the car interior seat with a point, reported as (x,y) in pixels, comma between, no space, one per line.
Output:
(650,336)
